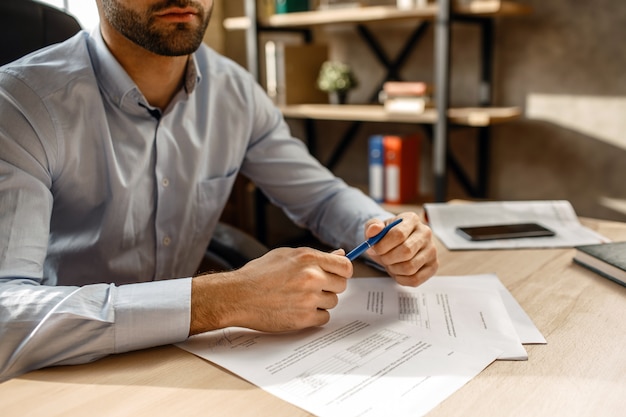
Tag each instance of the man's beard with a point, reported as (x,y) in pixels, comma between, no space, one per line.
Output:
(175,40)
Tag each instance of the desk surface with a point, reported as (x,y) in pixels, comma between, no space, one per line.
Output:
(580,372)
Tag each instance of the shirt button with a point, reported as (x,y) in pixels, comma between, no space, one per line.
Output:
(167,241)
(165,182)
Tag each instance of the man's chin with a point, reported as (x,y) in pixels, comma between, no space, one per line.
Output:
(182,40)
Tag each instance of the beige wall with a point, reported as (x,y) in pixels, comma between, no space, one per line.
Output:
(564,65)
(215,36)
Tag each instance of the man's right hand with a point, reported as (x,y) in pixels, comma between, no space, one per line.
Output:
(286,289)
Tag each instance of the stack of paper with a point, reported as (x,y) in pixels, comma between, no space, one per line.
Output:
(457,310)
(387,351)
(557,215)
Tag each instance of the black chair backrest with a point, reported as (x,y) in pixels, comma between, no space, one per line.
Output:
(26,26)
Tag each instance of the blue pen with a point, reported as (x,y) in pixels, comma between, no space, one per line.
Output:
(356,252)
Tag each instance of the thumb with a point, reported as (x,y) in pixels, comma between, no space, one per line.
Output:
(373,227)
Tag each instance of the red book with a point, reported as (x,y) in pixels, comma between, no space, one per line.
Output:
(401,162)
(406,88)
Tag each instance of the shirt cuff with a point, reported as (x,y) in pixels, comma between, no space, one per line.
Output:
(152,314)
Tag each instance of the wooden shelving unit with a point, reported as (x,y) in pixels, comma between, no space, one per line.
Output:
(440,15)
(465,116)
(376,14)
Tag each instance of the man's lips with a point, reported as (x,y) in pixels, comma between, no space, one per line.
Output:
(178,15)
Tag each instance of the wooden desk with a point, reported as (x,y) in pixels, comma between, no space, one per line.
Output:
(580,372)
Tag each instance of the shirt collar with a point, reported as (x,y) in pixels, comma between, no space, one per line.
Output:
(193,76)
(117,84)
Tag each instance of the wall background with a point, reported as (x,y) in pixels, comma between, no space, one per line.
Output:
(564,65)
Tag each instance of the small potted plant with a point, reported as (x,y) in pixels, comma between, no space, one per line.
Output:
(336,78)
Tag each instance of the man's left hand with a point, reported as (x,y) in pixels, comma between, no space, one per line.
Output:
(407,251)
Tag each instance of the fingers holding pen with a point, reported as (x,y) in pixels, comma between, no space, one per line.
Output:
(319,281)
(288,289)
(407,252)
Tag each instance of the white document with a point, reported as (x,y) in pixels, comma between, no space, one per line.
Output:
(388,349)
(557,215)
(524,326)
(375,366)
(456,310)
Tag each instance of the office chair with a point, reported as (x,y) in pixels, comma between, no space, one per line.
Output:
(230,248)
(26,26)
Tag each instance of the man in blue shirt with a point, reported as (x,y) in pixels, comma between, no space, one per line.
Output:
(118,150)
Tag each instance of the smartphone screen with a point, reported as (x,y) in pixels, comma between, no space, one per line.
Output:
(504,231)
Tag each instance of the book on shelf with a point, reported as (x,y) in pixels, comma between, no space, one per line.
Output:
(606,259)
(338,4)
(401,166)
(394,166)
(290,6)
(407,88)
(291,72)
(406,96)
(265,9)
(407,104)
(375,165)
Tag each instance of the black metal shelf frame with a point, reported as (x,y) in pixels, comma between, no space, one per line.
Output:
(443,159)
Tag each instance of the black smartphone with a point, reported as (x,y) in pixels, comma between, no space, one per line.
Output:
(504,231)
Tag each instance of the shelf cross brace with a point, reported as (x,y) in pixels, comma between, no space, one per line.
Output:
(393,74)
(392,67)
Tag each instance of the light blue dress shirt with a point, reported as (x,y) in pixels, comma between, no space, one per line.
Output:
(105,199)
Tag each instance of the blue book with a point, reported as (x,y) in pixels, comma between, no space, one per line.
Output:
(376,168)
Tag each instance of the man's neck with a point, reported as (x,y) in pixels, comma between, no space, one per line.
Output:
(158,77)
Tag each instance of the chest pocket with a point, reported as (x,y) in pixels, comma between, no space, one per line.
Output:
(211,197)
